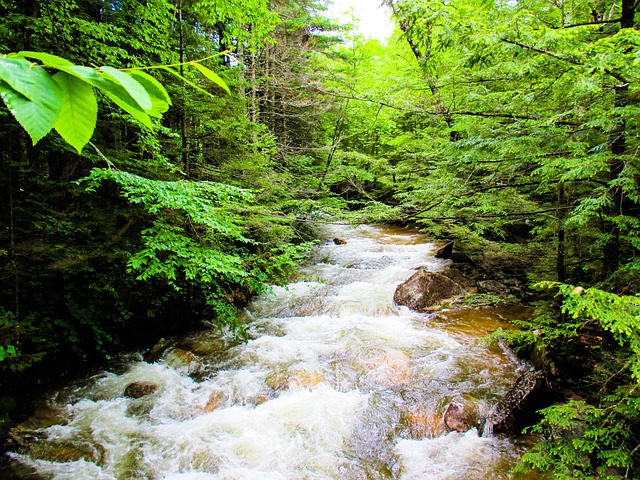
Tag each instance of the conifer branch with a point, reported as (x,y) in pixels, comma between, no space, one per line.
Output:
(572,61)
(600,22)
(443,112)
(544,52)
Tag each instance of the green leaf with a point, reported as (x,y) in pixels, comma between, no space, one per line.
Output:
(159,96)
(131,85)
(29,79)
(31,95)
(214,77)
(36,118)
(153,86)
(47,59)
(138,114)
(77,120)
(111,89)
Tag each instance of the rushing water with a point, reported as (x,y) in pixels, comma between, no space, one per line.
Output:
(335,383)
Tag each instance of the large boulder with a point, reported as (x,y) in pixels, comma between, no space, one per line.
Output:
(517,408)
(425,291)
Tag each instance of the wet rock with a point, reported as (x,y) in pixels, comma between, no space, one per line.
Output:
(425,291)
(493,287)
(460,256)
(62,453)
(140,389)
(307,379)
(517,408)
(461,416)
(445,252)
(155,353)
(339,241)
(179,358)
(283,380)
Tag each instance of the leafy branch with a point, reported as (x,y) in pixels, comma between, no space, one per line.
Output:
(66,99)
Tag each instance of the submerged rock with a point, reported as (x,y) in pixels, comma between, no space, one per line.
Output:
(215,401)
(339,241)
(423,423)
(139,389)
(517,408)
(425,290)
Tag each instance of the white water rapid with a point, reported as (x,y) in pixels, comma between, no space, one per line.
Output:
(335,383)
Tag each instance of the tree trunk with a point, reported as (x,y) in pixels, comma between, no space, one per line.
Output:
(560,251)
(183,114)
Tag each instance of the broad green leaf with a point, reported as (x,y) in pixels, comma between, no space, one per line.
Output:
(110,88)
(77,120)
(29,79)
(135,111)
(131,85)
(47,59)
(35,117)
(159,96)
(153,86)
(214,77)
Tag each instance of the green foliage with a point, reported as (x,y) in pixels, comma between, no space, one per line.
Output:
(193,214)
(617,314)
(67,102)
(12,359)
(596,437)
(7,327)
(583,441)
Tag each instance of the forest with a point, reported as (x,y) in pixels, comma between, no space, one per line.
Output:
(510,127)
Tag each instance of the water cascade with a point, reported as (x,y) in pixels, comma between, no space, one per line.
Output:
(335,383)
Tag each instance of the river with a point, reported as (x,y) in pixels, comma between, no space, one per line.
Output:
(336,382)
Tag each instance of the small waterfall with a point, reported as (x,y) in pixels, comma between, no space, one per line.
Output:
(336,382)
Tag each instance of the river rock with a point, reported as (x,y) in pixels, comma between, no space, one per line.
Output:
(425,290)
(493,287)
(155,353)
(517,408)
(339,241)
(139,389)
(445,252)
(461,417)
(181,359)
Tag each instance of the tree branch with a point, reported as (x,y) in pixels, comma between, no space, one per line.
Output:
(572,61)
(544,52)
(600,22)
(444,113)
